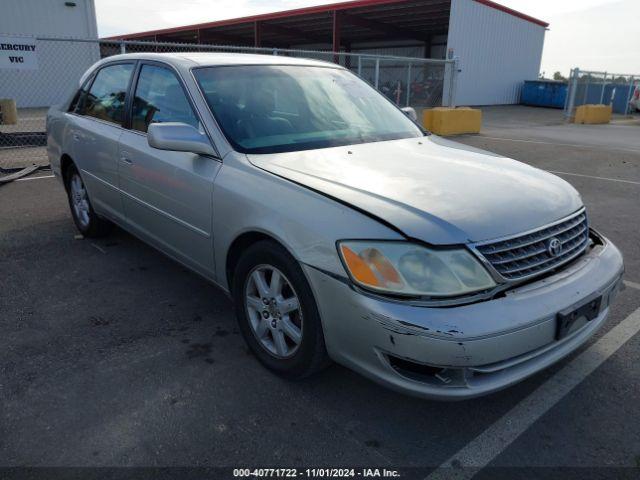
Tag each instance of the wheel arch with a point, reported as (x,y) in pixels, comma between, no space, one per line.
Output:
(65,162)
(240,244)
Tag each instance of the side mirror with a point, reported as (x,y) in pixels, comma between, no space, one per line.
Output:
(410,112)
(178,137)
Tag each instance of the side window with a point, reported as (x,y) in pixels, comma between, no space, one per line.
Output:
(159,97)
(106,97)
(77,98)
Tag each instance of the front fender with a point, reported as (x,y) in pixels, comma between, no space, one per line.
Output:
(306,223)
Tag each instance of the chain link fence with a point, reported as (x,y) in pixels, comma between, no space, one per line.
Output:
(407,81)
(416,82)
(588,87)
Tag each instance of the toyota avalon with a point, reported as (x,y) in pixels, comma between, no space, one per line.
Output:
(339,227)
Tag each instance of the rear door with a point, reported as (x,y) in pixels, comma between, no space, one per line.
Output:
(96,128)
(167,196)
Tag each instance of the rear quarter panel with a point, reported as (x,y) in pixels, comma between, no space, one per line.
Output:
(58,142)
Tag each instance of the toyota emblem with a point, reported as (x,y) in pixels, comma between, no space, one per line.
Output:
(554,247)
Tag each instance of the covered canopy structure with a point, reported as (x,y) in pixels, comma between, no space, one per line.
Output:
(411,28)
(339,25)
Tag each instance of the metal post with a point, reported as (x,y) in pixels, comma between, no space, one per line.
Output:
(604,83)
(360,65)
(586,90)
(257,34)
(566,98)
(631,90)
(123,47)
(336,36)
(451,101)
(377,74)
(275,52)
(573,86)
(447,83)
(408,84)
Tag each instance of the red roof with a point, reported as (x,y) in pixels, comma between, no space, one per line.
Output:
(361,7)
(513,12)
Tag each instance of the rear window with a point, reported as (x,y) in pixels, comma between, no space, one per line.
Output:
(106,97)
(76,99)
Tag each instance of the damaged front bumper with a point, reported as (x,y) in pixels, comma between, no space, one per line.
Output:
(470,350)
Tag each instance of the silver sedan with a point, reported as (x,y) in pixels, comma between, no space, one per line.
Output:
(339,227)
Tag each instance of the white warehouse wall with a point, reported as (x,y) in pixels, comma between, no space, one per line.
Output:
(60,63)
(496,51)
(51,18)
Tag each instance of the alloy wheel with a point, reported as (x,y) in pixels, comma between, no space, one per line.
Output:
(79,200)
(274,312)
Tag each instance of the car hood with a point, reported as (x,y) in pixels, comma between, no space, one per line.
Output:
(430,188)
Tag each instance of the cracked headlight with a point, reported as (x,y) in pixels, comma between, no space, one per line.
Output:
(403,268)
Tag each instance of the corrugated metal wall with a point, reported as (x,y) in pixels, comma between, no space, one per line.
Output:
(497,52)
(48,18)
(60,64)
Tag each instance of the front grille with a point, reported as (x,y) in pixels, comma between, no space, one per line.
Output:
(527,255)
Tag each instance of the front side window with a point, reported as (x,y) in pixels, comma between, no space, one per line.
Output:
(159,97)
(106,97)
(280,108)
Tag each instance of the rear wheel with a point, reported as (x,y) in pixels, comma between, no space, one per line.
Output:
(277,313)
(85,218)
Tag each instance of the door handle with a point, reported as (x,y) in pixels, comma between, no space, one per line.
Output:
(124,157)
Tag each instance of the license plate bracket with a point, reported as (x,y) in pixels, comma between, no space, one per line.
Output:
(566,318)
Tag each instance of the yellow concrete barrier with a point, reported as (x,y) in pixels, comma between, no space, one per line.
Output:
(8,111)
(452,121)
(593,114)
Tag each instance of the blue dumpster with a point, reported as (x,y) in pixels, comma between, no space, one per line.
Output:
(544,93)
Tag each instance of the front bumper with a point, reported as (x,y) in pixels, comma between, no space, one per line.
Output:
(470,350)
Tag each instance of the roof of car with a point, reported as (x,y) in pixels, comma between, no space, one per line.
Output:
(191,59)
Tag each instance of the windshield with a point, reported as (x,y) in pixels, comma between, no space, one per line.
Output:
(278,108)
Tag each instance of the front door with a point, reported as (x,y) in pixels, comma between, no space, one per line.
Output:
(167,196)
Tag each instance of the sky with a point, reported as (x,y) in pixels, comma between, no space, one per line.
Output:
(601,35)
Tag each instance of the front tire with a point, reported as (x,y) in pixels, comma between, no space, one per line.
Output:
(85,218)
(277,312)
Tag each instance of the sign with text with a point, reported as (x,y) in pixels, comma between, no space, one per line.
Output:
(18,53)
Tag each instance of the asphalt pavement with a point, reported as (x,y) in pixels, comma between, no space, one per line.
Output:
(113,355)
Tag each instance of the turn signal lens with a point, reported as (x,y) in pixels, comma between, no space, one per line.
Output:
(358,267)
(371,268)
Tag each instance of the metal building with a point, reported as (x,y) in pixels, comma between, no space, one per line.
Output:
(54,18)
(496,48)
(21,21)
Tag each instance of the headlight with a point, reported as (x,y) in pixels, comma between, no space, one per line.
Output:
(404,268)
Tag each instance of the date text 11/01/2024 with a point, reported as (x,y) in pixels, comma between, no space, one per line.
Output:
(315,473)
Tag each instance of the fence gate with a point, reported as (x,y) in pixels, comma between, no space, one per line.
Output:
(416,82)
(615,89)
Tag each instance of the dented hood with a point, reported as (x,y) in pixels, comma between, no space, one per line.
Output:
(430,188)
